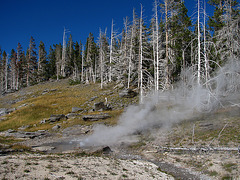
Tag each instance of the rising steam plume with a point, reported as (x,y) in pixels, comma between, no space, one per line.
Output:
(166,108)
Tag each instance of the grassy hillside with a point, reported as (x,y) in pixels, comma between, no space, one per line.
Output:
(39,102)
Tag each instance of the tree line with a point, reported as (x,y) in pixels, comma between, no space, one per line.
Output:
(140,56)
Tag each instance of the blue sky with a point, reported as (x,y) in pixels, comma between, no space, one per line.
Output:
(46,19)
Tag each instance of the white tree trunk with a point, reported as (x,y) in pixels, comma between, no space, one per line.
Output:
(141,58)
(157,47)
(82,63)
(206,65)
(199,47)
(131,49)
(6,74)
(167,81)
(63,63)
(101,57)
(111,54)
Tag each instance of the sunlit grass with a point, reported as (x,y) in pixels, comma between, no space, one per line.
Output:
(43,100)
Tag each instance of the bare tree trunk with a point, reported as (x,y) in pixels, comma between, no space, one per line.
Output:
(206,65)
(199,46)
(130,60)
(63,63)
(82,63)
(131,49)
(58,70)
(141,58)
(167,81)
(6,74)
(157,47)
(111,55)
(101,58)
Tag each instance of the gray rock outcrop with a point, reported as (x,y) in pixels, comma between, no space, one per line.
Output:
(95,117)
(58,117)
(76,109)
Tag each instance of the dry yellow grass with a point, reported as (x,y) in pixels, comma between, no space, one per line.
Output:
(43,100)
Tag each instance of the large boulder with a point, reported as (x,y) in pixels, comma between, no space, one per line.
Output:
(4,111)
(100,106)
(55,128)
(76,109)
(127,93)
(58,117)
(95,117)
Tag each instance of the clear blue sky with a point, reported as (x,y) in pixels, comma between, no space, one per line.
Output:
(46,19)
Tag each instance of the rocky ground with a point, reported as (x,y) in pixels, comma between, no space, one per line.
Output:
(39,166)
(59,156)
(205,147)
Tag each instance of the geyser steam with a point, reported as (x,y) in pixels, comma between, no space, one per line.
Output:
(165,108)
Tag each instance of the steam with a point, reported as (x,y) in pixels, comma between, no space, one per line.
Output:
(163,109)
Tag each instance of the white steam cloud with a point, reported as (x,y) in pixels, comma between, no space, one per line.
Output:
(166,108)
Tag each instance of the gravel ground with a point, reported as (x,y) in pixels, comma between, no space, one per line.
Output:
(37,166)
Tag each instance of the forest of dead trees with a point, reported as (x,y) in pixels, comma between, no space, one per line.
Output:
(147,58)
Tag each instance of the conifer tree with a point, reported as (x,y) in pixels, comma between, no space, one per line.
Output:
(51,66)
(70,56)
(58,55)
(1,72)
(42,63)
(225,25)
(4,71)
(22,67)
(90,60)
(31,63)
(14,69)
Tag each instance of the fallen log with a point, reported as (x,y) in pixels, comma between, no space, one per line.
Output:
(199,149)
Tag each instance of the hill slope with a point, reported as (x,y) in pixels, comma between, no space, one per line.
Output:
(189,144)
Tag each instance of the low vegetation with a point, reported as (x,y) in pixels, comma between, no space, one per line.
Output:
(43,100)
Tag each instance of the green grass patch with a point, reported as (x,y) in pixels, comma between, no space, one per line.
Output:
(229,166)
(212,173)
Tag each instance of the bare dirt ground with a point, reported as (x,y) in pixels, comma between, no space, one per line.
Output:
(60,156)
(38,166)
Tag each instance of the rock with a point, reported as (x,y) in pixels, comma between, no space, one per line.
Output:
(93,98)
(6,151)
(102,150)
(55,118)
(10,131)
(100,106)
(72,115)
(23,105)
(5,111)
(95,117)
(127,93)
(23,127)
(106,150)
(76,109)
(22,134)
(43,121)
(10,110)
(43,148)
(56,127)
